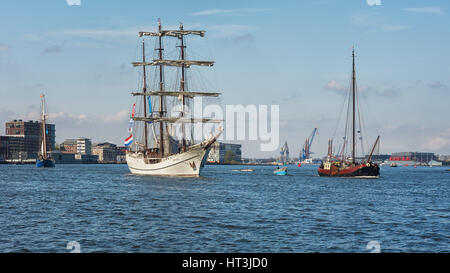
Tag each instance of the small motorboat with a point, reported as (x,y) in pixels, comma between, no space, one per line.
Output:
(280,171)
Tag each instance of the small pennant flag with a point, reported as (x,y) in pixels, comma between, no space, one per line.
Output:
(128,141)
(149,105)
(134,109)
(149,108)
(130,128)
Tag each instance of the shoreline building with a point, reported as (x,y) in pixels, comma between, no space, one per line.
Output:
(84,151)
(68,146)
(224,153)
(84,146)
(106,152)
(412,158)
(22,139)
(80,148)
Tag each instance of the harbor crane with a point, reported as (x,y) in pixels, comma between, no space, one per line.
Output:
(306,150)
(284,153)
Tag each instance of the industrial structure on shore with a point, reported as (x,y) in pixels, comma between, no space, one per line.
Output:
(21,145)
(21,141)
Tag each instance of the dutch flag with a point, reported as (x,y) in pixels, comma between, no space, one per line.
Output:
(128,141)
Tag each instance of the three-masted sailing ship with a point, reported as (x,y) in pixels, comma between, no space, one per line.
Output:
(156,151)
(341,164)
(44,159)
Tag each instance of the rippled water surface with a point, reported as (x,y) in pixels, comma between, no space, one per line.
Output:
(106,209)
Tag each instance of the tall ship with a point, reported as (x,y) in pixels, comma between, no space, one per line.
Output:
(343,164)
(44,160)
(161,140)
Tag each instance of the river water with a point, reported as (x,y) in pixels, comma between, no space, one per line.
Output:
(103,208)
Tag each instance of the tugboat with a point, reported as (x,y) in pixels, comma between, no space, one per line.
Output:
(156,150)
(44,160)
(341,165)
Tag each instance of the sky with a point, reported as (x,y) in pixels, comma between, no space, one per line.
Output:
(296,54)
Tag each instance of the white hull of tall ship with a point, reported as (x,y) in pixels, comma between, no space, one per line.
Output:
(187,163)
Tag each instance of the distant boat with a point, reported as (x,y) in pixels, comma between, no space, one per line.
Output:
(393,165)
(284,159)
(44,160)
(280,171)
(243,170)
(341,165)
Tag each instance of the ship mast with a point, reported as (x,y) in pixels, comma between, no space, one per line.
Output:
(44,135)
(161,89)
(182,89)
(144,89)
(182,93)
(354,114)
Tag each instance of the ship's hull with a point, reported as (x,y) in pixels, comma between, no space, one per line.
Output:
(189,163)
(45,163)
(362,170)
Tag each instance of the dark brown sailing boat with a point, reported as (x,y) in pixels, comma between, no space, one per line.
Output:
(340,165)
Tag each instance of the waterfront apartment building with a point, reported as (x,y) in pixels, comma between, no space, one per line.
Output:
(121,154)
(3,147)
(68,146)
(23,138)
(84,146)
(106,152)
(225,153)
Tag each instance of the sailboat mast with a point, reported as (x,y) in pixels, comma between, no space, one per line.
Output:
(182,88)
(44,135)
(161,88)
(144,89)
(354,107)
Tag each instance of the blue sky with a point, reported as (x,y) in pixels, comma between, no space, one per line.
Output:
(292,53)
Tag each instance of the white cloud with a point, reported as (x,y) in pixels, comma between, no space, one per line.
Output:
(440,142)
(228,11)
(438,86)
(373,2)
(212,11)
(73,2)
(121,116)
(375,23)
(3,47)
(335,85)
(430,10)
(74,125)
(230,29)
(95,33)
